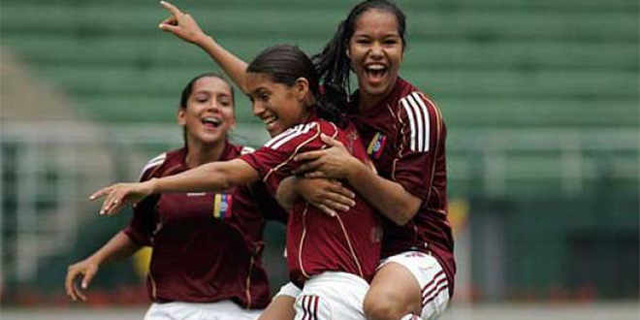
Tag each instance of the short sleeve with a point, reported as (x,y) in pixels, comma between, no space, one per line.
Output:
(140,228)
(420,137)
(274,160)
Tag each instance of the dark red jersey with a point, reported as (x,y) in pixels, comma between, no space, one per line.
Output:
(405,137)
(206,246)
(316,242)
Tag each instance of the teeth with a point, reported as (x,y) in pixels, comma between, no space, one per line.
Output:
(269,120)
(376,67)
(213,121)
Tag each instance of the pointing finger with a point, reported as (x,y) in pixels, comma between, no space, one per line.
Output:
(171,8)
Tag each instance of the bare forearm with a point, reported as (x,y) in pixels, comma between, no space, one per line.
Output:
(286,194)
(233,66)
(389,197)
(119,247)
(214,177)
(203,178)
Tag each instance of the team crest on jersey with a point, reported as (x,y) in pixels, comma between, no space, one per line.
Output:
(222,205)
(376,146)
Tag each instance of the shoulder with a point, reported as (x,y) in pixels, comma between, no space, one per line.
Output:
(240,150)
(154,165)
(421,118)
(151,166)
(296,136)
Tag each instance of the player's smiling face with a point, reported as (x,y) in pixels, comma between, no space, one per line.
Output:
(277,105)
(209,113)
(376,50)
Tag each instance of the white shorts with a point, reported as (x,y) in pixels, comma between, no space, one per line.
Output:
(332,296)
(431,279)
(221,310)
(290,290)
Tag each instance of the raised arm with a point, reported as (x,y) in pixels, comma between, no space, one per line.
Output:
(214,176)
(389,197)
(120,246)
(185,27)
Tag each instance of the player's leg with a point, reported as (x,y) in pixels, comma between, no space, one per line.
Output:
(281,306)
(394,293)
(407,284)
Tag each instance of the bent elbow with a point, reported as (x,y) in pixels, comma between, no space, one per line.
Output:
(405,214)
(402,220)
(403,217)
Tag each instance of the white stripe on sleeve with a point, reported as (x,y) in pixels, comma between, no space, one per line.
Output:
(289,135)
(427,124)
(152,163)
(419,123)
(418,115)
(409,110)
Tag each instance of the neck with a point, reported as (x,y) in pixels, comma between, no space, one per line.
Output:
(368,101)
(199,153)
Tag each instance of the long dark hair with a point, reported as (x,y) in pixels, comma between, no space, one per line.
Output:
(285,64)
(333,64)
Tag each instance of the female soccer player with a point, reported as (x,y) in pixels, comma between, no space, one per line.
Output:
(405,135)
(333,258)
(206,259)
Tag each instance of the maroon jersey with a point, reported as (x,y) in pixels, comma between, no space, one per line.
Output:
(316,242)
(206,247)
(405,137)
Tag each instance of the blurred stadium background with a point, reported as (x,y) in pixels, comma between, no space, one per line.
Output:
(540,98)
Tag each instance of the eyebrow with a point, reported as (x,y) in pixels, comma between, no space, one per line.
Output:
(216,93)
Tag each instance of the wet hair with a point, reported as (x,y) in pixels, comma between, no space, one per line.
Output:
(188,89)
(285,64)
(333,64)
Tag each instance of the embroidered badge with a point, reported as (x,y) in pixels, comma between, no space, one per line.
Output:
(376,146)
(221,205)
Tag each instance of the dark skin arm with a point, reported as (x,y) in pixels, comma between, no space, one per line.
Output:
(388,197)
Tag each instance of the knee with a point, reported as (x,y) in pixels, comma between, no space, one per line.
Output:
(383,307)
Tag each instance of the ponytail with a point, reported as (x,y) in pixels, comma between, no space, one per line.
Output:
(332,64)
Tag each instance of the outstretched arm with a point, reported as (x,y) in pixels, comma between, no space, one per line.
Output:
(214,176)
(120,246)
(185,27)
(389,197)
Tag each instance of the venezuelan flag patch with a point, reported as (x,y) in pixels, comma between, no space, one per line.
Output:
(376,146)
(222,205)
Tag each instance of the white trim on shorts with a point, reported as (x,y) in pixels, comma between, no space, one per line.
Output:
(432,280)
(220,310)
